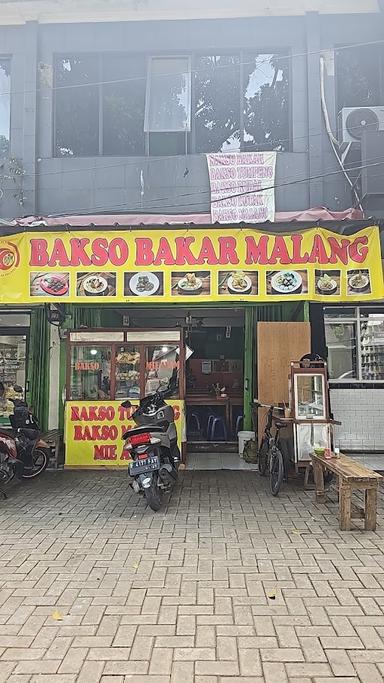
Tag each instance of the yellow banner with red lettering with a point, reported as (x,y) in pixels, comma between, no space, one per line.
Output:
(94,432)
(190,264)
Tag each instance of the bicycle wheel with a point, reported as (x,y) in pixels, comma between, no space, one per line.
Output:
(276,474)
(263,457)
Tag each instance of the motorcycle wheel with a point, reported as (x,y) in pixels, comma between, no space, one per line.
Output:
(40,462)
(153,495)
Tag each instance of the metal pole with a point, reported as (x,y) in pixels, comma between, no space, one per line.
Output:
(249,354)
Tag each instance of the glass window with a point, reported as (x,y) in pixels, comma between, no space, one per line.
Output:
(336,312)
(14,319)
(310,396)
(355,346)
(123,105)
(358,70)
(266,102)
(77,105)
(216,103)
(90,372)
(168,105)
(12,360)
(372,347)
(342,351)
(5,106)
(127,372)
(162,368)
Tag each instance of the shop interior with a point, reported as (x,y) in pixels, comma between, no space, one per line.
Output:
(207,342)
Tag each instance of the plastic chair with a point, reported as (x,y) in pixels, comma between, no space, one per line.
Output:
(209,425)
(218,430)
(239,424)
(194,422)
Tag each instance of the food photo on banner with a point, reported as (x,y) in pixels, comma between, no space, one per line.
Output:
(188,265)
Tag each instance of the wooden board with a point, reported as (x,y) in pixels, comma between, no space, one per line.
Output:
(277,345)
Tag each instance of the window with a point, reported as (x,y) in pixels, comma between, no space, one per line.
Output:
(217,103)
(358,72)
(127,372)
(266,102)
(5,106)
(90,372)
(355,341)
(123,105)
(162,369)
(12,372)
(99,105)
(241,102)
(77,106)
(127,105)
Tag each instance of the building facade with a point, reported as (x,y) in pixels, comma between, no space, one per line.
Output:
(87,125)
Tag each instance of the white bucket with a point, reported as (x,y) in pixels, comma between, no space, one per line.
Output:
(243,438)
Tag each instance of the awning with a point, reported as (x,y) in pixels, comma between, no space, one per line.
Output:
(317,214)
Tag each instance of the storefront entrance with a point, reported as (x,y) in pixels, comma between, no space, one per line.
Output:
(197,352)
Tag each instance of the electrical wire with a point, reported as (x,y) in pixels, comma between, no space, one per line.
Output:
(151,159)
(333,141)
(104,208)
(284,56)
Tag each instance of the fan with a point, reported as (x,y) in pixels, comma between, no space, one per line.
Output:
(360,120)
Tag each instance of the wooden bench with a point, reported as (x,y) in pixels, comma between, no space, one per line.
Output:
(352,476)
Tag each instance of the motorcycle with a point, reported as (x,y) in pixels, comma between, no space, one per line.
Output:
(153,448)
(23,454)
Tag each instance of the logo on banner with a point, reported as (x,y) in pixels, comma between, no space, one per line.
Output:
(9,257)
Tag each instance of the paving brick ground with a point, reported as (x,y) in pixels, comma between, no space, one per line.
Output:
(226,584)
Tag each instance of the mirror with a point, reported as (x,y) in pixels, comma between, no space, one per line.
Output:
(127,404)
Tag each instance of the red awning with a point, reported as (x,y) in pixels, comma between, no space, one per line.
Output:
(310,215)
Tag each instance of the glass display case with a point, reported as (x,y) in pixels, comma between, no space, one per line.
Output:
(131,365)
(309,400)
(309,390)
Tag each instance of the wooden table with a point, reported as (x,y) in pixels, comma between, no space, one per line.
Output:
(352,476)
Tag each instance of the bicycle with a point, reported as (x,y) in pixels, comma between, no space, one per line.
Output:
(270,456)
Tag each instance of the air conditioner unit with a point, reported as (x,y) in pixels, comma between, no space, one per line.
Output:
(354,121)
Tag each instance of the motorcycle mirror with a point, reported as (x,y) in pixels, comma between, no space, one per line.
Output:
(127,404)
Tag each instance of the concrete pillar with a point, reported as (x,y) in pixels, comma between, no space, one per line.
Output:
(315,121)
(30,117)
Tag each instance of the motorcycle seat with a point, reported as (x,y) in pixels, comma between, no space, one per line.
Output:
(143,430)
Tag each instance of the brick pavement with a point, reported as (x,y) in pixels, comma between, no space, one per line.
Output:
(226,584)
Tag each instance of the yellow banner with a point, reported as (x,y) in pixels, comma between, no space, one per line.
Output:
(181,265)
(94,432)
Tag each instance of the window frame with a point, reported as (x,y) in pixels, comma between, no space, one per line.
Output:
(356,319)
(337,49)
(190,134)
(8,58)
(150,60)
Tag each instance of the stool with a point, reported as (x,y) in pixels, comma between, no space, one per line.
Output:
(217,425)
(239,423)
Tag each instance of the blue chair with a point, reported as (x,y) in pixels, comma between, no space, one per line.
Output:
(218,430)
(193,423)
(239,424)
(209,425)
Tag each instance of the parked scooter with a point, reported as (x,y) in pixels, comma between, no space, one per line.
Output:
(23,454)
(152,445)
